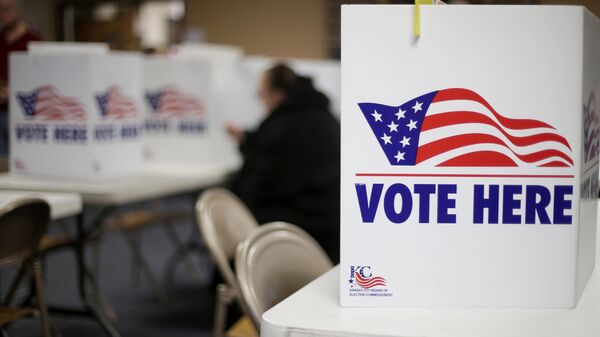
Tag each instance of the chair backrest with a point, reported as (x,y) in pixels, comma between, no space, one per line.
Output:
(224,222)
(274,262)
(22,224)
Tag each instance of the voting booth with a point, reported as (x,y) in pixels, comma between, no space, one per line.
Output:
(227,91)
(75,114)
(469,156)
(179,126)
(46,47)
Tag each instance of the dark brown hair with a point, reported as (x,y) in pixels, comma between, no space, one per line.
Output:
(282,77)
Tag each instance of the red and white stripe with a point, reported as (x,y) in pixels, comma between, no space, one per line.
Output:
(177,104)
(369,282)
(51,104)
(120,106)
(462,129)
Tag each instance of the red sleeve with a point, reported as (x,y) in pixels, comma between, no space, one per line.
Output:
(32,35)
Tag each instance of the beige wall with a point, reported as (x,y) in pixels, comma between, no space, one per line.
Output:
(592,5)
(269,27)
(41,15)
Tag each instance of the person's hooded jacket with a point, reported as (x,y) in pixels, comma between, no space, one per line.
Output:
(291,165)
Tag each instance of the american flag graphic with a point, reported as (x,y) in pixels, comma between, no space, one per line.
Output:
(114,105)
(590,128)
(170,102)
(369,282)
(47,103)
(458,127)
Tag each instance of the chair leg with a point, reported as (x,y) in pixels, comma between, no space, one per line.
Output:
(220,318)
(14,286)
(99,297)
(96,246)
(225,296)
(36,266)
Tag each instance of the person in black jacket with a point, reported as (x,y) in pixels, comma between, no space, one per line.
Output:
(291,167)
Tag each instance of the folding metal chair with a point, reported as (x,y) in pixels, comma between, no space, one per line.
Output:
(224,222)
(22,224)
(275,261)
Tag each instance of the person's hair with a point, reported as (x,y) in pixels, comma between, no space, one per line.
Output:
(282,77)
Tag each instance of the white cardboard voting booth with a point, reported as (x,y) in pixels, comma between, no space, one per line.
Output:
(75,114)
(45,47)
(179,114)
(227,91)
(469,156)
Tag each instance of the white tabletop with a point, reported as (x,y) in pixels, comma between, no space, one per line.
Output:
(62,205)
(315,311)
(151,182)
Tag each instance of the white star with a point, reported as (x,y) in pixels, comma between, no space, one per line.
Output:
(386,139)
(412,125)
(405,141)
(400,114)
(377,116)
(393,127)
(417,106)
(399,156)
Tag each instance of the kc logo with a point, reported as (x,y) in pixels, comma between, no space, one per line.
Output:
(363,277)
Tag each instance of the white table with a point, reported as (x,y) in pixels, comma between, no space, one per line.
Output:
(314,311)
(62,205)
(152,182)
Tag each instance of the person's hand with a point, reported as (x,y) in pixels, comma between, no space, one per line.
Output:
(236,132)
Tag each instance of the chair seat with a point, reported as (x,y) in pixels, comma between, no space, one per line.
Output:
(50,242)
(8,315)
(242,328)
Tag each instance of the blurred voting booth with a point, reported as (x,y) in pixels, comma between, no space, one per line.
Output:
(227,91)
(469,156)
(234,80)
(75,111)
(45,47)
(179,125)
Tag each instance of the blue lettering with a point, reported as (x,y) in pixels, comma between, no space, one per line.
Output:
(480,203)
(191,127)
(70,134)
(389,202)
(130,131)
(104,132)
(445,203)
(537,206)
(561,204)
(157,126)
(509,204)
(424,191)
(368,209)
(30,133)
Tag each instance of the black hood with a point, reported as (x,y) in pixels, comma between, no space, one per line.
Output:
(304,97)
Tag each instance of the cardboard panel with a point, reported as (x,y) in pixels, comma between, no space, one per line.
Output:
(463,183)
(75,115)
